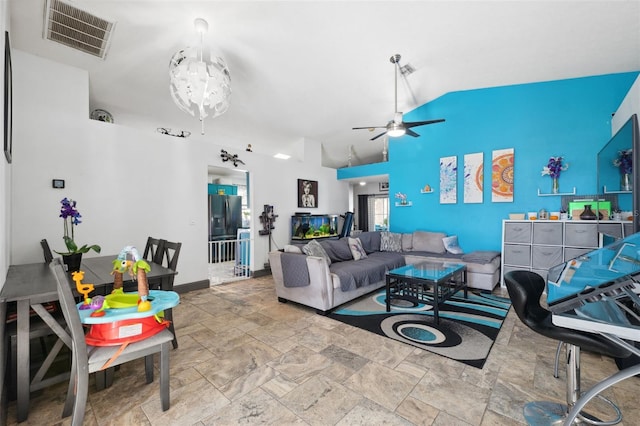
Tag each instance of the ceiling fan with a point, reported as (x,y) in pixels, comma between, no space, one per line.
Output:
(397,127)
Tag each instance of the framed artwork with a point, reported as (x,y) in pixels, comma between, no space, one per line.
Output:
(448,176)
(307,193)
(473,177)
(383,186)
(8,99)
(502,167)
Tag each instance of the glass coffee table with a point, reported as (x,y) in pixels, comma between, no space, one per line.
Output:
(426,282)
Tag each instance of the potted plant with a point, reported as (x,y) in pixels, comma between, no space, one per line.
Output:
(71,217)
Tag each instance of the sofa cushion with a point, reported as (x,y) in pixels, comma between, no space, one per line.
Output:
(390,241)
(313,248)
(357,251)
(370,241)
(407,241)
(288,248)
(338,250)
(428,241)
(451,244)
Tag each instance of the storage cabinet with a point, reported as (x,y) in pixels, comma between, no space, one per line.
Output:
(537,245)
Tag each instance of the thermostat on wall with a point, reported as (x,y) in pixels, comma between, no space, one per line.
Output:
(57,183)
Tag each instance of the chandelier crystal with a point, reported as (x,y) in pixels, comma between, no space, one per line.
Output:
(200,83)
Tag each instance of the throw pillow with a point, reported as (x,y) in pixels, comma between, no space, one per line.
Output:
(356,249)
(451,244)
(390,241)
(292,249)
(428,241)
(313,248)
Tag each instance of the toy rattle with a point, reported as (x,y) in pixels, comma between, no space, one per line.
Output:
(83,288)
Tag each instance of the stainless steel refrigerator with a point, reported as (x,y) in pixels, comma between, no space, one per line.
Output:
(225,216)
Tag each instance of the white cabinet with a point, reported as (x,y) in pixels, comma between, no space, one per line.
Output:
(537,245)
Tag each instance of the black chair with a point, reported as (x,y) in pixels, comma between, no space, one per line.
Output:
(89,359)
(153,251)
(46,251)
(525,289)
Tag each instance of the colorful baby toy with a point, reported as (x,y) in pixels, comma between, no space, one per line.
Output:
(136,267)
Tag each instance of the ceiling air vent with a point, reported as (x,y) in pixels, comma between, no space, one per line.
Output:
(76,28)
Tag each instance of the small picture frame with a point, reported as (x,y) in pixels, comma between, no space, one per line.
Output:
(383,186)
(57,183)
(307,193)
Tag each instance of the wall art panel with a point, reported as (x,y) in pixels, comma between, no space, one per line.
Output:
(473,177)
(448,176)
(502,167)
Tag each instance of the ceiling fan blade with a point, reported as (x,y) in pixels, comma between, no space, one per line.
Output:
(376,137)
(411,124)
(411,133)
(369,127)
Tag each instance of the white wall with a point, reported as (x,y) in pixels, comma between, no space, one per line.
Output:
(130,184)
(630,105)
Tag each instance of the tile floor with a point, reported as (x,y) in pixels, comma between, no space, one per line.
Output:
(246,358)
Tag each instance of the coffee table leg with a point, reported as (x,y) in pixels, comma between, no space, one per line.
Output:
(464,280)
(436,303)
(388,294)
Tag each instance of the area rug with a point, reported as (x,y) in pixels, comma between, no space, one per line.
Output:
(467,329)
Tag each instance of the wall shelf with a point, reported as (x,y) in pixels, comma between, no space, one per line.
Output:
(615,192)
(409,204)
(540,194)
(422,191)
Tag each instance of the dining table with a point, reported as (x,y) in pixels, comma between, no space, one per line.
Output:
(31,285)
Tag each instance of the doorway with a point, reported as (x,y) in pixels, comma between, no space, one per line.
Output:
(229,221)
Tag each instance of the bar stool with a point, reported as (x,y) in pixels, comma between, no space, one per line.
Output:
(525,289)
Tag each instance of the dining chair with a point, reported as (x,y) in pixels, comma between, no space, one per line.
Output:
(87,359)
(46,251)
(170,254)
(153,251)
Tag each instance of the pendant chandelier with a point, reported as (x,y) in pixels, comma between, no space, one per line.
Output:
(200,84)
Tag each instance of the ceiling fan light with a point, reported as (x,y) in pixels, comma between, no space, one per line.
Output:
(395,130)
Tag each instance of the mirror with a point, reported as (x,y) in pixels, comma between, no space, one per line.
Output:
(616,174)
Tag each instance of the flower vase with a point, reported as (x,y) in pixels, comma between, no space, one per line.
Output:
(555,186)
(625,182)
(72,261)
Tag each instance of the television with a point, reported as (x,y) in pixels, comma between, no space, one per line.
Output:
(611,164)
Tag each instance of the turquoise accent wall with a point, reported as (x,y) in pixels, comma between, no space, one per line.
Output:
(568,118)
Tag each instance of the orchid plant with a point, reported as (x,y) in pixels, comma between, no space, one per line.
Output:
(71,217)
(624,161)
(402,197)
(554,167)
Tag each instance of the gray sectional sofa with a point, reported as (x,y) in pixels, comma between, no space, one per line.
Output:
(326,278)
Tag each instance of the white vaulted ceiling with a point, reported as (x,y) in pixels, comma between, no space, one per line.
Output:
(315,69)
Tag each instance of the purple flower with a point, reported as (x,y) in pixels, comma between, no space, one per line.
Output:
(71,217)
(554,167)
(624,161)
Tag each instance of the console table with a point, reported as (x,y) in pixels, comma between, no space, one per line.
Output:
(537,245)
